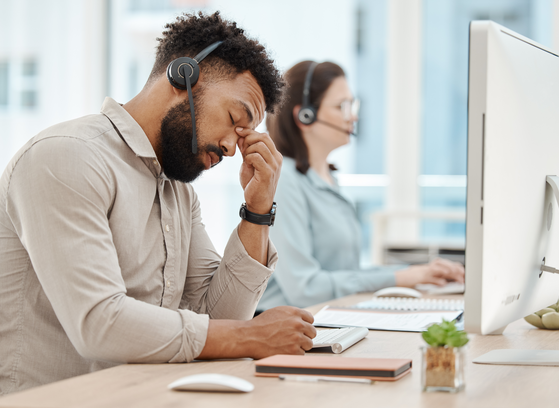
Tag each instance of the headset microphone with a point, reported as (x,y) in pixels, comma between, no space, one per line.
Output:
(183,73)
(347,132)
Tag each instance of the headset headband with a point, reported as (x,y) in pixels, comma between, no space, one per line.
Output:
(307,86)
(206,51)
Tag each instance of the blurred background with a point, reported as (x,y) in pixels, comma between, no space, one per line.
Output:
(407,60)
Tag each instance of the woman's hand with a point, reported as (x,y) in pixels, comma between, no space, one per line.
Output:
(439,272)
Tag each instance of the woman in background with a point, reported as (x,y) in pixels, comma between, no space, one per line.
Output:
(316,230)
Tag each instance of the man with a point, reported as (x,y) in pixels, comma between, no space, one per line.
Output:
(103,255)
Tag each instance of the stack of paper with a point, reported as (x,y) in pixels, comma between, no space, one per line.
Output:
(416,321)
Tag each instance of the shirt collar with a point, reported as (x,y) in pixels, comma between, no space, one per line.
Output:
(319,182)
(129,129)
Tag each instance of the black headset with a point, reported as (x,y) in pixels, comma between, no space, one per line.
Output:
(183,73)
(307,113)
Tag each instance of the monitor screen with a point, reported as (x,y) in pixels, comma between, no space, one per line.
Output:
(513,145)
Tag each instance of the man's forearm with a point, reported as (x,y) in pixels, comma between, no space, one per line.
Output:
(282,330)
(255,240)
(225,340)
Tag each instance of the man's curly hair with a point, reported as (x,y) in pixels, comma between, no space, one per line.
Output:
(191,33)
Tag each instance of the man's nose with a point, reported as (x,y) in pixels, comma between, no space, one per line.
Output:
(228,144)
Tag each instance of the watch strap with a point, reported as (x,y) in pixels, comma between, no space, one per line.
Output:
(259,219)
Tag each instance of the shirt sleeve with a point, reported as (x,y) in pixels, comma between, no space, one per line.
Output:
(58,200)
(227,288)
(299,274)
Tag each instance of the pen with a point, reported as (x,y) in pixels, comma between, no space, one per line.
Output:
(312,378)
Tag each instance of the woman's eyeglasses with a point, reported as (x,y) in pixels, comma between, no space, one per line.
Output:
(349,108)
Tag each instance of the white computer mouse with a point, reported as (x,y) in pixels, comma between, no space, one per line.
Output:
(211,382)
(397,291)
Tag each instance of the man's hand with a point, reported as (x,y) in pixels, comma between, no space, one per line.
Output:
(260,170)
(281,330)
(439,272)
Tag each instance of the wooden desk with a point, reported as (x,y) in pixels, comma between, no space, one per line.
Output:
(140,385)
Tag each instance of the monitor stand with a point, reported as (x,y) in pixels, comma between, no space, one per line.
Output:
(520,357)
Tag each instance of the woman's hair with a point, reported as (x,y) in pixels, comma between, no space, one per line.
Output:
(281,125)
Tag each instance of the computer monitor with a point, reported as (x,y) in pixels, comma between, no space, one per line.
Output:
(512,221)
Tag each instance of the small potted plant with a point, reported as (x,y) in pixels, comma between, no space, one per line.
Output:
(443,359)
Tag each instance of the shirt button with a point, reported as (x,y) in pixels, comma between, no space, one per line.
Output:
(154,161)
(168,283)
(167,228)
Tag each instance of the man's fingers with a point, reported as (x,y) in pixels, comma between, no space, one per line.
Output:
(306,343)
(251,137)
(309,330)
(306,316)
(241,144)
(262,149)
(286,330)
(257,161)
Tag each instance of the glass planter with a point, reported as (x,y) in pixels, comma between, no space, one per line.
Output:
(442,368)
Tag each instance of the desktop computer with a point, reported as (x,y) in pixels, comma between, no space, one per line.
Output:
(512,222)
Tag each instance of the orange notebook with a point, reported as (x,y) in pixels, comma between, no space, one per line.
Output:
(378,369)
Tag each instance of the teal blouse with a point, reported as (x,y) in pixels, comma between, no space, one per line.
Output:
(318,239)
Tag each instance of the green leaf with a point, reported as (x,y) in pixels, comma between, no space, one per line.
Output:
(445,334)
(544,311)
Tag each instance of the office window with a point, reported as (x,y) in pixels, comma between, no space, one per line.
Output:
(29,84)
(4,81)
(370,37)
(445,96)
(29,68)
(28,99)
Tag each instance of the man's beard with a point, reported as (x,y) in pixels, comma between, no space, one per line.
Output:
(177,159)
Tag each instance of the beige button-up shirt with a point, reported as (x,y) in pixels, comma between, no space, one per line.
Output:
(104,260)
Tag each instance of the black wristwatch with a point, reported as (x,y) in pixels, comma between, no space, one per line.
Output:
(260,219)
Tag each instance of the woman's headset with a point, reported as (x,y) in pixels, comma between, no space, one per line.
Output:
(183,73)
(307,113)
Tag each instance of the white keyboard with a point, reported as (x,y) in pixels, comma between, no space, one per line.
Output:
(339,340)
(411,304)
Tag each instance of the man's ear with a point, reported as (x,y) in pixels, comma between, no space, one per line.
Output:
(176,91)
(162,85)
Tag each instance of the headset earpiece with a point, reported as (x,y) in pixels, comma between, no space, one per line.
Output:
(307,113)
(189,66)
(180,67)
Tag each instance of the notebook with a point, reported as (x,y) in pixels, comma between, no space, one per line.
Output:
(378,369)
